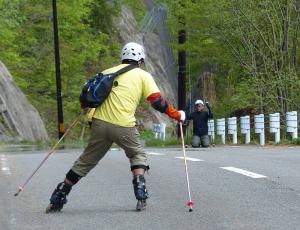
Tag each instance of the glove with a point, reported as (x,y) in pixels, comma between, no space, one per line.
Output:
(182,115)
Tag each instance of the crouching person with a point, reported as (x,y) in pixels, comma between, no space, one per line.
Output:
(200,124)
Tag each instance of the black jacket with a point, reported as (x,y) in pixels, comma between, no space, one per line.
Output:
(200,120)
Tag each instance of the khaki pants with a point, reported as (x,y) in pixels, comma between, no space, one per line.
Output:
(200,141)
(103,135)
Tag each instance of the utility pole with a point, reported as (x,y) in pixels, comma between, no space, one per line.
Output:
(181,71)
(60,116)
(181,61)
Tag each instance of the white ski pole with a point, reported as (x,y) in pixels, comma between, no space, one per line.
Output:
(21,188)
(190,202)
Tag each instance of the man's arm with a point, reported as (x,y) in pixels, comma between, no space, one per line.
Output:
(210,113)
(161,105)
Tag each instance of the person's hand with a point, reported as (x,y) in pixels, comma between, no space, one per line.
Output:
(182,115)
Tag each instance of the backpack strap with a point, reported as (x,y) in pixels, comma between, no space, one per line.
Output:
(125,69)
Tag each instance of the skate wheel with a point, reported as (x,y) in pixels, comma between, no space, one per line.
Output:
(50,209)
(141,205)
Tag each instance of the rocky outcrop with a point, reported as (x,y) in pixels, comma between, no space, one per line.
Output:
(156,64)
(19,120)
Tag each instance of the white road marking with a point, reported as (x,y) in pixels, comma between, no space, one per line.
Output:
(244,172)
(189,159)
(4,165)
(156,154)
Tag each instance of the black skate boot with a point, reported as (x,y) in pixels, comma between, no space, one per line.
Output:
(58,198)
(140,191)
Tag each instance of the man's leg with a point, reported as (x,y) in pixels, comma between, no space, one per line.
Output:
(205,141)
(98,145)
(128,139)
(196,141)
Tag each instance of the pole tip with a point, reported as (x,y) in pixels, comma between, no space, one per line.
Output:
(20,190)
(190,204)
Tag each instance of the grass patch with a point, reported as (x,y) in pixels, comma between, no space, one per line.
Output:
(173,141)
(296,141)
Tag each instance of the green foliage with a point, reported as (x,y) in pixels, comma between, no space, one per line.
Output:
(285,142)
(296,141)
(173,141)
(252,47)
(10,21)
(146,134)
(88,43)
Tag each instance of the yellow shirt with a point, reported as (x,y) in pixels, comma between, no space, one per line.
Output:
(120,106)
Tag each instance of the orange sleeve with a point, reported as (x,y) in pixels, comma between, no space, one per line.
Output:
(173,113)
(170,111)
(153,97)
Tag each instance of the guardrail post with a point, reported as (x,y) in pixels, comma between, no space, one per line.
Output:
(259,122)
(232,129)
(275,125)
(221,129)
(292,124)
(245,128)
(211,129)
(162,129)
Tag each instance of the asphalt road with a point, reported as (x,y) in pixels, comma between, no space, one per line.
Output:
(232,187)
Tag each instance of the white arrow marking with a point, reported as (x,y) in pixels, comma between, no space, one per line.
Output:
(156,154)
(189,159)
(244,172)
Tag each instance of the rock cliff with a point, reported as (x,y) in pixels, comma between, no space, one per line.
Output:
(19,120)
(156,64)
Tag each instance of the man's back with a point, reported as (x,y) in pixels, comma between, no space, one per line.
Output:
(120,106)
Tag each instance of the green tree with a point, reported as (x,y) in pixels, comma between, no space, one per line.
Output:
(85,49)
(251,46)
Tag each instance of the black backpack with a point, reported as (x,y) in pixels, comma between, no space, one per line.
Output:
(97,89)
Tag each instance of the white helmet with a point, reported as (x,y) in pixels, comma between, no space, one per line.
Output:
(199,102)
(133,51)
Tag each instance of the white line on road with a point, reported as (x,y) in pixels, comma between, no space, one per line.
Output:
(244,172)
(189,159)
(4,165)
(156,154)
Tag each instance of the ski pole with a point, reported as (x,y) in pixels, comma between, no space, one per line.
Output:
(21,188)
(190,202)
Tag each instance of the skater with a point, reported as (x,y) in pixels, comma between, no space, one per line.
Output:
(114,122)
(200,127)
